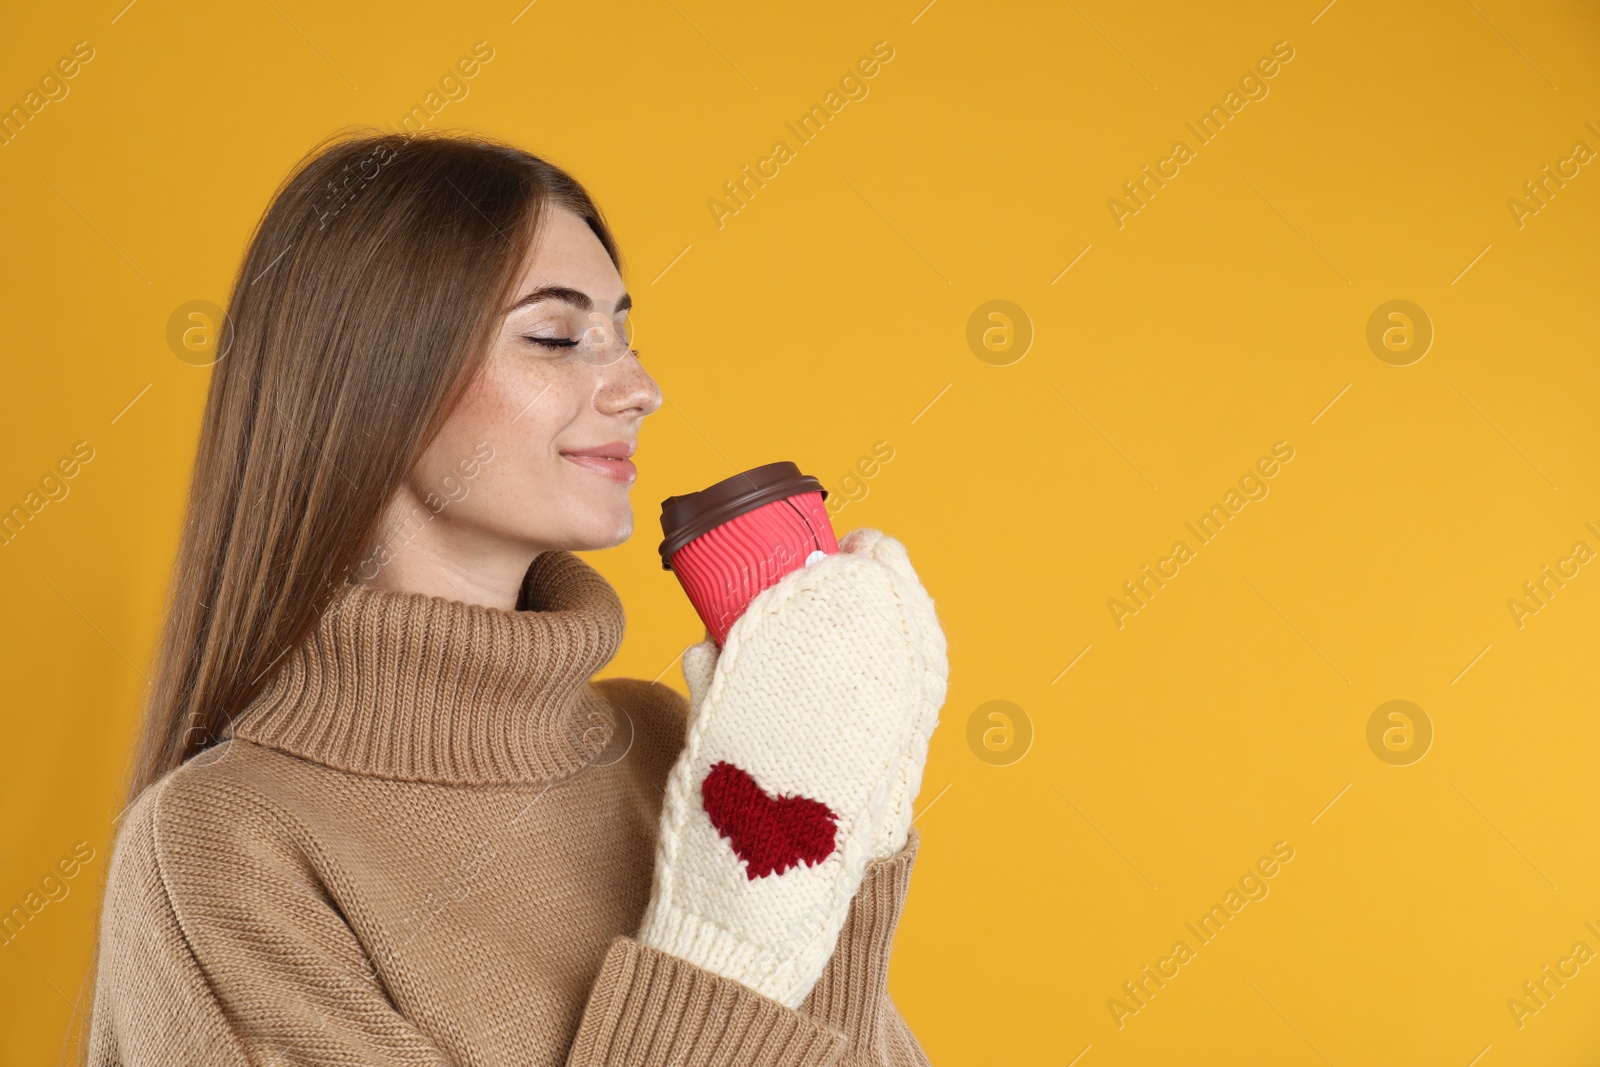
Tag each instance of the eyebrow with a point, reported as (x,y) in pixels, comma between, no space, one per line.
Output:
(567,295)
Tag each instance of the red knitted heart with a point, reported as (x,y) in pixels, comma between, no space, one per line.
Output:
(771,834)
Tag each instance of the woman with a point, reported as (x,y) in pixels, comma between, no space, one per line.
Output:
(381,814)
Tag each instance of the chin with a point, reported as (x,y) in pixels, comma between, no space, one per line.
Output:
(603,535)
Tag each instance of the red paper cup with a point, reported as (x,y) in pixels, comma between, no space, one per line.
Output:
(730,541)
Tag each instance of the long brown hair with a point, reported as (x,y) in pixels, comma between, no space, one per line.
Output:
(363,308)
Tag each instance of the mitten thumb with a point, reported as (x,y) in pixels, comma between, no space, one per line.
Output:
(699,665)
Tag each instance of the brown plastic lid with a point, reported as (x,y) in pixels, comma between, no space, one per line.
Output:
(683,518)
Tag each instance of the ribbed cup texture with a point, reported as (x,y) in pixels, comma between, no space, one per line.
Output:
(724,568)
(427,689)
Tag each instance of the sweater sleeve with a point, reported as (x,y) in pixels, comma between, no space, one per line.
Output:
(221,949)
(648,1007)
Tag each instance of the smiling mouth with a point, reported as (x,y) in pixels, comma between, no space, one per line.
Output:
(618,469)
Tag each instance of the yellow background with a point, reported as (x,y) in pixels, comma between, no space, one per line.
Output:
(831,313)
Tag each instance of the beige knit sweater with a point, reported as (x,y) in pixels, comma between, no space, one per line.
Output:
(431,841)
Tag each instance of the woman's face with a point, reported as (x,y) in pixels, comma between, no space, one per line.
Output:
(559,379)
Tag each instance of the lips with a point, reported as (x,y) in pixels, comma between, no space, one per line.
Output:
(614,450)
(609,461)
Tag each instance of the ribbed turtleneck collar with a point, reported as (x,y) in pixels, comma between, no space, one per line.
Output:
(422,688)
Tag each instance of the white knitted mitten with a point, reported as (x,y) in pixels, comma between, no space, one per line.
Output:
(806,741)
(935,677)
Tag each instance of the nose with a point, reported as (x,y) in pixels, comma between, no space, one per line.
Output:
(626,388)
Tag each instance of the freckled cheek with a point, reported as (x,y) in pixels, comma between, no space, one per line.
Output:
(531,391)
(510,485)
(531,440)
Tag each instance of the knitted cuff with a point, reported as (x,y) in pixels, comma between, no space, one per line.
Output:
(785,978)
(648,1007)
(855,984)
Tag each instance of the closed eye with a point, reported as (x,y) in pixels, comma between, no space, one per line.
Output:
(565,342)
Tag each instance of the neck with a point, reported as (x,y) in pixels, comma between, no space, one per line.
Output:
(424,550)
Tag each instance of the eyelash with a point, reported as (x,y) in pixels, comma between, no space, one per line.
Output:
(564,342)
